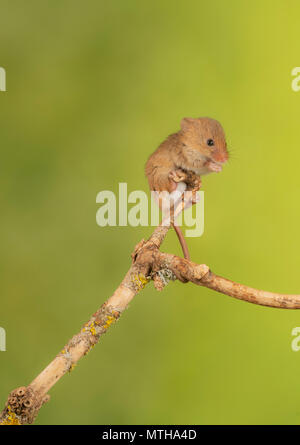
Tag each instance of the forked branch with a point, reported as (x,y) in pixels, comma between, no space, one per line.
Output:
(148,263)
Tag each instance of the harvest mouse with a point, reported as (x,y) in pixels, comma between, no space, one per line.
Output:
(197,149)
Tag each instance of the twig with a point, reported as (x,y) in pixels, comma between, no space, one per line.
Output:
(24,403)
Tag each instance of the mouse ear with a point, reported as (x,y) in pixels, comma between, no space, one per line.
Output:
(186,123)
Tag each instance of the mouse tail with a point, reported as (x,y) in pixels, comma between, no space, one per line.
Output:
(182,241)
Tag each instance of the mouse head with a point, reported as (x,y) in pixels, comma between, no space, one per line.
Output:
(204,141)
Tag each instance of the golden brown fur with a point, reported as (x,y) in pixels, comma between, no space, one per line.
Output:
(187,150)
(198,148)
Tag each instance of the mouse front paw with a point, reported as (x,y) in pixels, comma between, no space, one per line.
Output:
(213,166)
(177,175)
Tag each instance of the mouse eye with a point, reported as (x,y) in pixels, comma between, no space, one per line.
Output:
(210,142)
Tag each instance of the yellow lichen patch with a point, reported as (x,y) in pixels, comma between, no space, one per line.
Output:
(88,350)
(90,328)
(140,281)
(11,418)
(109,321)
(72,367)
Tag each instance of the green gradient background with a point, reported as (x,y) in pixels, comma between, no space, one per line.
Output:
(92,88)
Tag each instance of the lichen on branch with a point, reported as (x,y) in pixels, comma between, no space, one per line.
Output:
(148,263)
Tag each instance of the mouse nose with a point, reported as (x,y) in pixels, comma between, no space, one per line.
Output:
(220,156)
